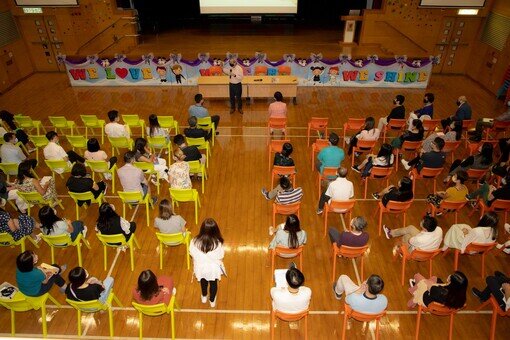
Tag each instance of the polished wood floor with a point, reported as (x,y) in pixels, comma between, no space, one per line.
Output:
(237,172)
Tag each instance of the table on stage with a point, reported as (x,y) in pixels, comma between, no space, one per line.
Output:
(253,86)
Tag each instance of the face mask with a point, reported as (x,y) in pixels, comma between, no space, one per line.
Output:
(458,103)
(425,101)
(395,101)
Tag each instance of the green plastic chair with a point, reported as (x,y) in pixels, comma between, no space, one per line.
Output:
(134,121)
(58,166)
(135,197)
(120,143)
(201,144)
(35,198)
(196,167)
(185,195)
(25,122)
(91,122)
(148,169)
(159,143)
(61,122)
(207,124)
(11,169)
(118,241)
(102,168)
(168,122)
(6,240)
(77,142)
(39,143)
(173,240)
(85,196)
(64,241)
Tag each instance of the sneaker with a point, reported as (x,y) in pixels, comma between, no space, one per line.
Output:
(37,238)
(217,133)
(477,293)
(347,140)
(337,296)
(105,188)
(63,289)
(357,154)
(84,232)
(405,164)
(472,204)
(355,168)
(265,194)
(213,303)
(499,245)
(204,299)
(506,251)
(376,195)
(319,211)
(63,268)
(387,231)
(412,283)
(32,150)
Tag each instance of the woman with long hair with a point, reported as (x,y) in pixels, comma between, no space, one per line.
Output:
(26,182)
(208,252)
(401,193)
(110,223)
(482,160)
(414,134)
(289,235)
(143,154)
(155,130)
(94,153)
(459,236)
(384,159)
(367,132)
(82,287)
(168,222)
(152,290)
(451,294)
(81,182)
(53,225)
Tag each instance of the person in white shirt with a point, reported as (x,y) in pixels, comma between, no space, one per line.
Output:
(53,151)
(12,153)
(235,74)
(341,189)
(459,236)
(295,298)
(114,128)
(428,238)
(368,133)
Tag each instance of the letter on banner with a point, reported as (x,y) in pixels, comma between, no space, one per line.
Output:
(391,77)
(78,73)
(92,73)
(363,75)
(423,76)
(410,77)
(400,77)
(146,73)
(135,73)
(379,75)
(350,75)
(109,73)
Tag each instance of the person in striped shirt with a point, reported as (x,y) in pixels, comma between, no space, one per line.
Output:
(284,193)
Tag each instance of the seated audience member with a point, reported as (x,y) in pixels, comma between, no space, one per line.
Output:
(499,287)
(278,109)
(414,134)
(152,290)
(489,193)
(451,294)
(81,182)
(459,236)
(155,130)
(355,237)
(198,110)
(331,156)
(94,153)
(110,223)
(403,192)
(428,238)
(11,153)
(453,133)
(431,159)
(398,112)
(483,123)
(288,235)
(132,178)
(341,189)
(293,299)
(191,152)
(194,131)
(19,227)
(283,158)
(505,245)
(365,298)
(81,287)
(284,193)
(426,112)
(26,182)
(456,193)
(114,128)
(368,132)
(8,192)
(168,222)
(178,173)
(53,151)
(482,160)
(37,281)
(143,154)
(383,159)
(463,112)
(52,225)
(8,118)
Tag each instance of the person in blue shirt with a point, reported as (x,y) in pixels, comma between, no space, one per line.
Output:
(426,112)
(463,112)
(199,111)
(36,281)
(365,298)
(332,155)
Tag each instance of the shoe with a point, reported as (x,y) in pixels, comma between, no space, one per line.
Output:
(84,232)
(355,168)
(154,200)
(507,227)
(32,150)
(387,231)
(319,211)
(213,303)
(376,195)
(477,293)
(105,188)
(499,245)
(337,296)
(472,204)
(241,111)
(204,299)
(405,164)
(232,111)
(439,213)
(347,140)
(265,194)
(357,154)
(154,181)
(412,283)
(292,265)
(476,138)
(63,268)
(37,238)
(63,289)
(271,230)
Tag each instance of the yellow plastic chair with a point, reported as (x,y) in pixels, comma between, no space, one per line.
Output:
(135,197)
(134,121)
(95,306)
(207,124)
(58,166)
(35,198)
(11,169)
(64,241)
(159,143)
(61,122)
(185,195)
(157,310)
(118,241)
(22,303)
(148,169)
(168,122)
(25,122)
(6,240)
(39,143)
(172,240)
(85,196)
(196,167)
(120,143)
(77,142)
(102,167)
(91,122)
(201,144)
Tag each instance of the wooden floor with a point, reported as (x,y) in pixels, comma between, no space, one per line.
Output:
(238,170)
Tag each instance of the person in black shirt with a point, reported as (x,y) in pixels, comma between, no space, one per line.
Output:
(191,152)
(401,193)
(498,286)
(110,223)
(451,295)
(81,182)
(283,158)
(81,287)
(398,112)
(413,135)
(433,159)
(194,132)
(490,193)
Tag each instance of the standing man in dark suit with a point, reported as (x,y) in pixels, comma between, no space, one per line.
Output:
(463,112)
(235,73)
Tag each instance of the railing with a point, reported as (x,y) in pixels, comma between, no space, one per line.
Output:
(403,35)
(117,39)
(132,22)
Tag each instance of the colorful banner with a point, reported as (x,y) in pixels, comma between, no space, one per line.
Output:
(314,71)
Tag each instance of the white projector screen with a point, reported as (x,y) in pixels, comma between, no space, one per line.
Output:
(248,6)
(50,3)
(453,3)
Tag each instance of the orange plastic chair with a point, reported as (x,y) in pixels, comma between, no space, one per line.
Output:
(275,145)
(276,123)
(362,317)
(496,206)
(289,318)
(449,206)
(284,70)
(496,311)
(378,173)
(287,253)
(476,174)
(363,146)
(416,255)
(450,147)
(473,147)
(316,148)
(393,207)
(337,207)
(439,310)
(285,209)
(328,174)
(467,125)
(350,253)
(475,248)
(317,124)
(260,70)
(289,171)
(497,128)
(407,147)
(426,173)
(394,125)
(354,125)
(430,125)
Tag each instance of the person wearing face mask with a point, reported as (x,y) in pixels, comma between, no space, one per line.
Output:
(82,287)
(398,112)
(235,74)
(12,153)
(483,123)
(426,112)
(463,112)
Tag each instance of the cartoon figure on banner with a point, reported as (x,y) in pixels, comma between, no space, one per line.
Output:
(333,74)
(177,71)
(105,63)
(301,62)
(161,69)
(317,72)
(246,67)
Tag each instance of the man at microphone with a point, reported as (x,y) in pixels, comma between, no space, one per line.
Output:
(235,73)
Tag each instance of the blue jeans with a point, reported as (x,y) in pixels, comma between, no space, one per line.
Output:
(108,285)
(145,189)
(78,227)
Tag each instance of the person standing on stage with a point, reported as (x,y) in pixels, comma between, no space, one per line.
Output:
(235,73)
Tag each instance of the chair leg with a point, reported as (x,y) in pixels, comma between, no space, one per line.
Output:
(13,322)
(161,255)
(172,319)
(377,329)
(344,327)
(78,315)
(450,334)
(110,320)
(334,266)
(105,255)
(271,324)
(196,212)
(430,268)
(493,324)
(132,255)
(325,222)
(78,249)
(301,261)
(362,268)
(456,259)
(306,327)
(147,212)
(483,265)
(403,271)
(418,320)
(52,254)
(140,324)
(380,221)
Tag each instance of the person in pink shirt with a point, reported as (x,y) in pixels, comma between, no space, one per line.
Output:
(278,109)
(152,290)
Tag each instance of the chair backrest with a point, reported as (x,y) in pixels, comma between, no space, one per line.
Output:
(120,142)
(341,205)
(290,317)
(379,172)
(22,303)
(430,124)
(183,195)
(57,164)
(411,145)
(441,310)
(286,252)
(430,172)
(6,240)
(480,247)
(468,124)
(39,141)
(354,123)
(77,141)
(349,252)
(329,172)
(9,168)
(144,166)
(205,122)
(58,121)
(87,306)
(196,167)
(24,121)
(98,166)
(363,317)
(284,170)
(286,209)
(320,144)
(476,173)
(200,141)
(174,239)
(158,141)
(451,145)
(130,196)
(395,206)
(453,205)
(62,240)
(318,122)
(365,144)
(277,122)
(396,124)
(81,196)
(276,145)
(89,120)
(166,121)
(117,240)
(151,310)
(424,255)
(32,197)
(500,125)
(131,119)
(500,205)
